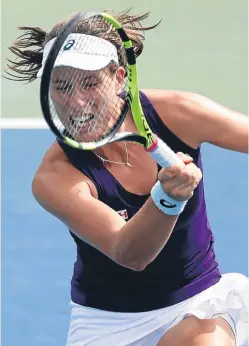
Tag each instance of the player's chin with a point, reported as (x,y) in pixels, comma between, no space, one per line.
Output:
(85,136)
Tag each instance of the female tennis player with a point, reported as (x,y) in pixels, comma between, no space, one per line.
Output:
(142,276)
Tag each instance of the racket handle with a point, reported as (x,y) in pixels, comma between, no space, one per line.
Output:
(163,155)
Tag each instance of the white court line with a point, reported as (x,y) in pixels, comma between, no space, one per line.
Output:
(23,123)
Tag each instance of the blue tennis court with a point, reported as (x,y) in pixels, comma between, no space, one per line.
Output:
(38,253)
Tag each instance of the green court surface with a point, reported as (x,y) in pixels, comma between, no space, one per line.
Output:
(199,46)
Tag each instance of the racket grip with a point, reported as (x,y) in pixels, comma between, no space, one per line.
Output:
(163,155)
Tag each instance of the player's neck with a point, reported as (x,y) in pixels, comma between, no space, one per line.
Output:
(117,151)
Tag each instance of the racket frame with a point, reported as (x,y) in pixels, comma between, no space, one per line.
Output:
(145,136)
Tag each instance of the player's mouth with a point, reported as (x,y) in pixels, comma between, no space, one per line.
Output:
(81,122)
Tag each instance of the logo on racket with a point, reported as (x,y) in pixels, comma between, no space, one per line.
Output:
(69,45)
(129,97)
(148,132)
(167,204)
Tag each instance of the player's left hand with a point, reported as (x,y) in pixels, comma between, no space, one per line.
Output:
(180,182)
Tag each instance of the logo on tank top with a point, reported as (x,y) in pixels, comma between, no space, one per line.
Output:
(123,213)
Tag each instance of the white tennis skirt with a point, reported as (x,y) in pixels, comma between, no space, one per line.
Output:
(229,299)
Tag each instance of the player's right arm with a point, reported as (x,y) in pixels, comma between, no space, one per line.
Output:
(69,195)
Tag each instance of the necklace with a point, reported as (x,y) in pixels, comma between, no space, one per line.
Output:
(127,163)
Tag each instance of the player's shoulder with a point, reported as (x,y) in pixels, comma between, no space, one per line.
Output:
(177,110)
(179,104)
(55,167)
(168,97)
(55,153)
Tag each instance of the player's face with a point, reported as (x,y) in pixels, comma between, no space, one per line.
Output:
(87,102)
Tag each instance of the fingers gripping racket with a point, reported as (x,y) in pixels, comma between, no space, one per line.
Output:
(85,95)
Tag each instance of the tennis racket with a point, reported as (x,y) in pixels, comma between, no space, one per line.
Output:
(85,96)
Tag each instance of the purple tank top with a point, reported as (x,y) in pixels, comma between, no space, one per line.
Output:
(184,267)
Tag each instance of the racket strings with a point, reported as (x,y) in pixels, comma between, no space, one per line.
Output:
(83,103)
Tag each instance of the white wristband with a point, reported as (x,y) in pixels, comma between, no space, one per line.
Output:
(164,202)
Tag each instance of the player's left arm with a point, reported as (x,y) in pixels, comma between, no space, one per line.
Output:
(196,119)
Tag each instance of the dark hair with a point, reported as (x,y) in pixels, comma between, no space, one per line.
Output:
(28,48)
